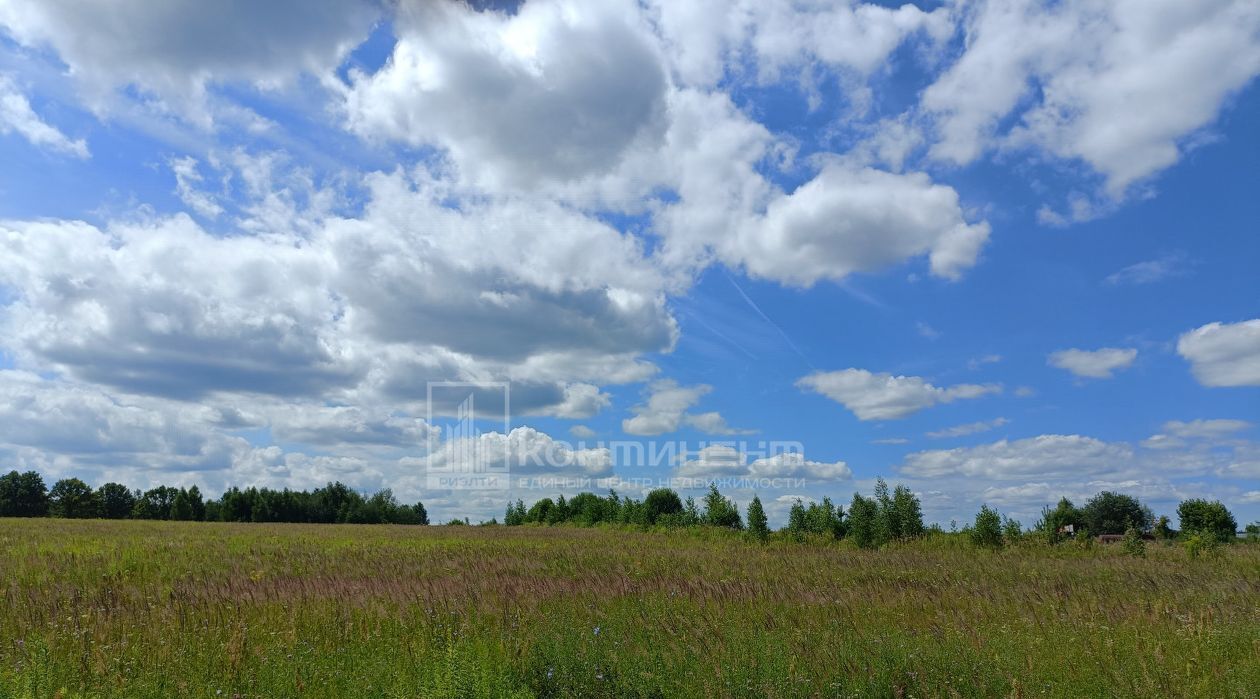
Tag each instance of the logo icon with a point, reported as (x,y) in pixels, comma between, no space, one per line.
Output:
(468,451)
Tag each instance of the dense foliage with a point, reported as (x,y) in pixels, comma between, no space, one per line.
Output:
(24,495)
(1207,518)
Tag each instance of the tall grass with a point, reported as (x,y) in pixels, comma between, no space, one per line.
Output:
(161,609)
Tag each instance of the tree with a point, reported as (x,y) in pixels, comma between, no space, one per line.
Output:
(661,501)
(987,531)
(1113,513)
(1209,519)
(1012,530)
(181,507)
(720,511)
(907,512)
(515,515)
(197,504)
(73,499)
(887,522)
(539,511)
(1161,530)
(116,500)
(156,503)
(862,515)
(757,523)
(23,495)
(1057,523)
(796,519)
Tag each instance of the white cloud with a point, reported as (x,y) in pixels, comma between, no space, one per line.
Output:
(345,309)
(1095,364)
(978,362)
(846,221)
(582,432)
(1150,271)
(1043,456)
(16,115)
(707,40)
(886,397)
(969,428)
(524,451)
(666,411)
(173,51)
(1176,434)
(1090,80)
(724,461)
(1204,429)
(1223,354)
(186,180)
(556,90)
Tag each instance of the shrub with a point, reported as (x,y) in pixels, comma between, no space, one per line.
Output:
(987,531)
(1063,516)
(1133,544)
(1198,544)
(1012,531)
(1210,519)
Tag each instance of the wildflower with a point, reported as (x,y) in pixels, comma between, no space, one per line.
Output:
(596,630)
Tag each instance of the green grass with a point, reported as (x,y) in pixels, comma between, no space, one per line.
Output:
(163,609)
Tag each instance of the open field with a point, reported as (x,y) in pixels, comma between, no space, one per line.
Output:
(160,609)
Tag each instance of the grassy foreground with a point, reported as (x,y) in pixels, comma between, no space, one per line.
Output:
(162,609)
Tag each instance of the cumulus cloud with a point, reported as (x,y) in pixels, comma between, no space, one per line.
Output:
(725,461)
(174,51)
(666,411)
(582,432)
(1094,364)
(1223,354)
(17,116)
(556,90)
(523,451)
(1089,80)
(705,39)
(884,396)
(846,220)
(375,305)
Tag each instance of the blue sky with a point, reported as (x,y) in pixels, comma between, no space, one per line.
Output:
(1001,252)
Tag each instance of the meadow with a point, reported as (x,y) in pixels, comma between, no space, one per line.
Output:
(95,608)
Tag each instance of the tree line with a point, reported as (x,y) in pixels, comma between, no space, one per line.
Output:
(1204,523)
(25,495)
(870,522)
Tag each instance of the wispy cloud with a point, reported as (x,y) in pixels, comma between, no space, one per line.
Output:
(1150,271)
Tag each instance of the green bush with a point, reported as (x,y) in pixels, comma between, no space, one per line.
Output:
(1210,519)
(987,531)
(1133,544)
